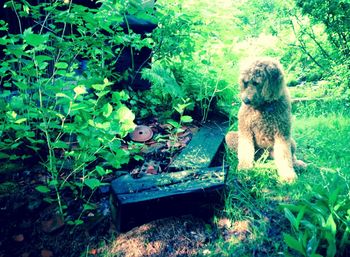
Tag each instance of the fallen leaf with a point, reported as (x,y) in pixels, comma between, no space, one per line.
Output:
(46,253)
(152,171)
(18,238)
(93,251)
(53,224)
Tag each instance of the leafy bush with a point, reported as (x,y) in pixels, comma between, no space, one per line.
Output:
(320,223)
(193,58)
(55,108)
(334,16)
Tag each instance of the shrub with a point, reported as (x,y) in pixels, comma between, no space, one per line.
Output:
(55,108)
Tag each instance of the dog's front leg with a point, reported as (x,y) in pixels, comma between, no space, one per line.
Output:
(246,150)
(283,159)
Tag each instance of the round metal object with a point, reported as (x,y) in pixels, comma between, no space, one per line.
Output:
(141,133)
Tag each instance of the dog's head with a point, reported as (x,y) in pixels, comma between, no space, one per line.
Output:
(261,81)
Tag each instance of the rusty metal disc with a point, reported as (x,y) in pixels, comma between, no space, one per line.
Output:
(141,133)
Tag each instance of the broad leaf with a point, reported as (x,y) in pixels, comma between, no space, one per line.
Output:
(293,243)
(92,183)
(61,65)
(186,119)
(107,110)
(34,39)
(80,90)
(43,189)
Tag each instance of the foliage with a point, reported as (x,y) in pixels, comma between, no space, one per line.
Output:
(54,107)
(334,15)
(177,126)
(320,223)
(321,29)
(191,59)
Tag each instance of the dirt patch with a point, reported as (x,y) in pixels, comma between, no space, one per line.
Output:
(174,236)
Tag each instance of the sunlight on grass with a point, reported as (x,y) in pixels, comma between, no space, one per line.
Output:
(324,141)
(256,196)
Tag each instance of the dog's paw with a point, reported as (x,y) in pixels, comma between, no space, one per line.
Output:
(299,165)
(287,176)
(243,165)
(231,140)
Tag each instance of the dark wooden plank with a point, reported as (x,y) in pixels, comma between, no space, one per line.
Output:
(135,201)
(202,148)
(199,203)
(129,185)
(128,189)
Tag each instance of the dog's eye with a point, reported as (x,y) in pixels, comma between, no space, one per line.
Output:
(255,83)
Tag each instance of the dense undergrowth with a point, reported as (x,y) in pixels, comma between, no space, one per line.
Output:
(68,104)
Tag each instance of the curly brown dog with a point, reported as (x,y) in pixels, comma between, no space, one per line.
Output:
(264,118)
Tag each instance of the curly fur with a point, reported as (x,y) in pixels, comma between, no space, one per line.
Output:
(264,118)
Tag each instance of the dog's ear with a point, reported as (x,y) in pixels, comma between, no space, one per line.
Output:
(274,84)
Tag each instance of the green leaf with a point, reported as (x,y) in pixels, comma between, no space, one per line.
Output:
(126,117)
(34,39)
(100,171)
(124,113)
(174,123)
(3,25)
(119,158)
(100,125)
(92,183)
(4,155)
(20,85)
(63,95)
(80,90)
(75,222)
(43,189)
(293,243)
(89,206)
(333,196)
(43,58)
(345,238)
(53,182)
(60,144)
(186,119)
(107,110)
(332,248)
(330,225)
(119,96)
(312,245)
(61,65)
(99,87)
(11,115)
(138,157)
(21,120)
(289,215)
(79,106)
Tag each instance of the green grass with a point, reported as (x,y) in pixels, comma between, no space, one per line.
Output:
(316,108)
(312,90)
(322,132)
(324,141)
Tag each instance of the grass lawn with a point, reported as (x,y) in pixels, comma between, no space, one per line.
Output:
(254,218)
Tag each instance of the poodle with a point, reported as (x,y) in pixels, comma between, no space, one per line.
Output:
(264,119)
